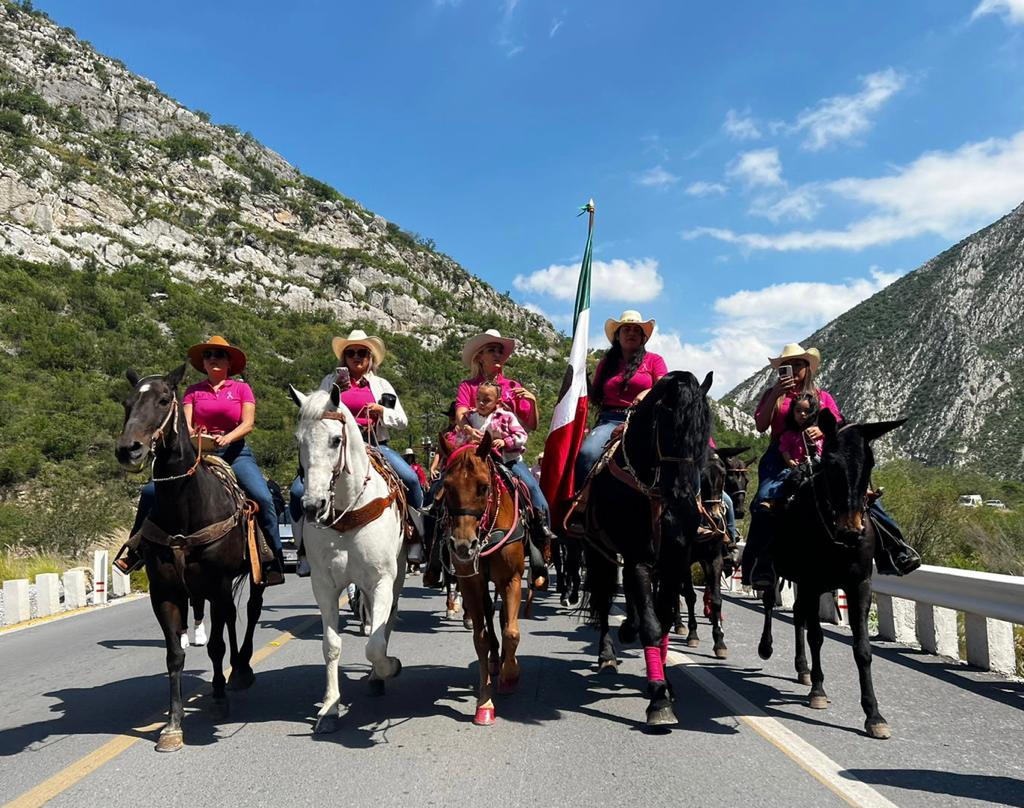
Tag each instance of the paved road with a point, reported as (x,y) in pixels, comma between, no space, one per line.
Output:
(81,697)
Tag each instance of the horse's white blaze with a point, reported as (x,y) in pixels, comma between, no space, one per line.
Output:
(144,388)
(372,557)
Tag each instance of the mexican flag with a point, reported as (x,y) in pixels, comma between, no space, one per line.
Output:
(569,420)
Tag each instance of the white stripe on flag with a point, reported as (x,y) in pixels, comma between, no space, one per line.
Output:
(565,409)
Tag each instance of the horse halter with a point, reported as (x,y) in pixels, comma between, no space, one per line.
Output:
(340,465)
(160,436)
(659,456)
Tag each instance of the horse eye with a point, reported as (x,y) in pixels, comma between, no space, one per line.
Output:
(336,441)
(481,490)
(165,400)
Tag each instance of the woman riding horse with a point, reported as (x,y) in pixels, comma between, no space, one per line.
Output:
(487,354)
(771,412)
(225,409)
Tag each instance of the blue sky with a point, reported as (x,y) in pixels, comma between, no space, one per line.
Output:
(758,168)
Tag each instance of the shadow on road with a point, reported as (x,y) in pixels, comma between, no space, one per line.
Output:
(986,788)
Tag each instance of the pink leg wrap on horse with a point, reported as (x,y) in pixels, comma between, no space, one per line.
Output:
(655,667)
(664,649)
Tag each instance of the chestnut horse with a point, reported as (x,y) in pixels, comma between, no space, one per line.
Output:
(483,528)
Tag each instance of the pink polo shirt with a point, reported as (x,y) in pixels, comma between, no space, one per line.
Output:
(356,398)
(466,396)
(217,411)
(651,369)
(779,418)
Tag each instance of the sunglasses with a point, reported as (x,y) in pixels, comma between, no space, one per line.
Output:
(356,353)
(495,349)
(216,353)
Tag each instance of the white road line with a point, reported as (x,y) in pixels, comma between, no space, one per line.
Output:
(809,758)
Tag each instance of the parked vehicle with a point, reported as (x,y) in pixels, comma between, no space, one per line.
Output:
(970,500)
(995,503)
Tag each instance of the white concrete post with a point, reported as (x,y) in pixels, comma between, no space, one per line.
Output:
(100,565)
(990,643)
(47,594)
(74,589)
(895,619)
(120,584)
(17,606)
(787,596)
(844,608)
(936,630)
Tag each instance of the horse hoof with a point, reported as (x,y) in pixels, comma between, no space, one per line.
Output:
(818,702)
(692,642)
(678,628)
(509,686)
(170,741)
(450,614)
(804,678)
(721,653)
(564,600)
(574,598)
(608,666)
(220,709)
(377,687)
(398,668)
(241,679)
(467,623)
(484,716)
(661,716)
(878,730)
(325,724)
(764,650)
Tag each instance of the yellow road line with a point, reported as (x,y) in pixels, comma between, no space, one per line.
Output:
(83,767)
(813,761)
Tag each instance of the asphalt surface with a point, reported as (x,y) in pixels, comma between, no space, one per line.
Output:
(82,699)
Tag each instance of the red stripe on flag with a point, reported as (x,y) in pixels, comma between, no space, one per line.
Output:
(557,476)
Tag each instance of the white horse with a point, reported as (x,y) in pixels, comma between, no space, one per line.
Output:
(342,488)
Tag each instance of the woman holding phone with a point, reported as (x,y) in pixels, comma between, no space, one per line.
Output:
(374,403)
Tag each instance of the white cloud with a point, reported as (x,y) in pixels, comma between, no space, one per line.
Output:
(760,167)
(634,281)
(1011,10)
(948,194)
(557,23)
(740,126)
(657,177)
(705,188)
(752,325)
(843,117)
(800,203)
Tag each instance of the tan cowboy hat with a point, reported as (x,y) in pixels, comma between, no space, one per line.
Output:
(236,357)
(612,325)
(358,337)
(796,351)
(475,344)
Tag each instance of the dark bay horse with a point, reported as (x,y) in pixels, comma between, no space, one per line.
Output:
(189,501)
(643,507)
(484,529)
(825,541)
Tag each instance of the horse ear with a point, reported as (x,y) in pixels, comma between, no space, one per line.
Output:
(175,376)
(828,425)
(335,395)
(732,451)
(132,377)
(484,449)
(879,428)
(296,396)
(706,384)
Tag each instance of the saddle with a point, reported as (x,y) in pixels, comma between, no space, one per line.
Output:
(374,508)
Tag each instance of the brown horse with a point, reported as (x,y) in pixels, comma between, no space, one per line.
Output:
(484,531)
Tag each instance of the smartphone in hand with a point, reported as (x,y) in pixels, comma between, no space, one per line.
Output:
(344,380)
(785,372)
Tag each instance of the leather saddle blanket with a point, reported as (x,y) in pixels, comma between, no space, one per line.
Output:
(374,508)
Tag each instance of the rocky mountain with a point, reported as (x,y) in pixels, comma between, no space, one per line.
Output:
(99,168)
(943,345)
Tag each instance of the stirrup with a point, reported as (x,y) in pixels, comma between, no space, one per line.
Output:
(128,559)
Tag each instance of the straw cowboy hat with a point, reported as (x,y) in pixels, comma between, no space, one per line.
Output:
(236,357)
(358,337)
(611,325)
(474,345)
(795,350)
(410,452)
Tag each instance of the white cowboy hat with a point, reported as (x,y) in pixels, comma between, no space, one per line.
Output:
(474,345)
(611,325)
(358,337)
(795,350)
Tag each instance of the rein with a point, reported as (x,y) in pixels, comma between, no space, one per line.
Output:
(161,437)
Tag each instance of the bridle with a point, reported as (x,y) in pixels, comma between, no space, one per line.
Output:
(341,465)
(660,458)
(160,436)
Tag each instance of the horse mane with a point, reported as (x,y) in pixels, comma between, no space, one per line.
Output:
(313,408)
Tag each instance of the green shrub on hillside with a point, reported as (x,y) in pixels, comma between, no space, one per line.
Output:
(11,122)
(184,146)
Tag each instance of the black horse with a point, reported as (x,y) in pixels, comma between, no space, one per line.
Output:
(825,541)
(737,477)
(643,506)
(709,550)
(199,550)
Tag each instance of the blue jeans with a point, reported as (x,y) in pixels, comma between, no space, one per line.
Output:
(401,468)
(540,503)
(594,443)
(771,472)
(730,515)
(249,477)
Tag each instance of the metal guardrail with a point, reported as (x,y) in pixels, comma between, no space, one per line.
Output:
(1000,597)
